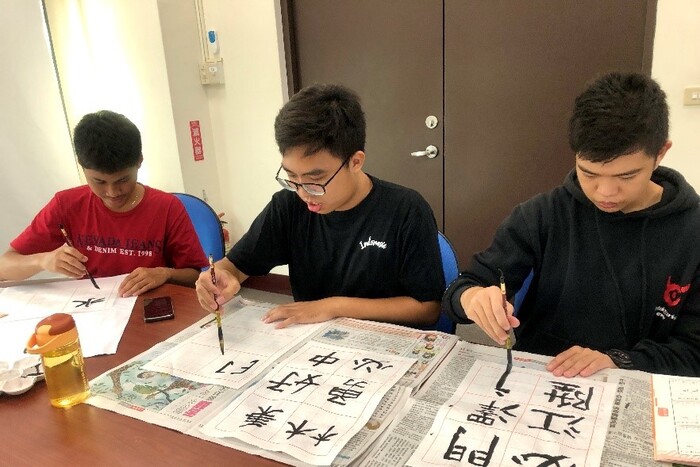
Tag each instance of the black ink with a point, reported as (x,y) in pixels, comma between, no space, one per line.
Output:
(487,414)
(295,431)
(367,361)
(88,302)
(304,383)
(549,417)
(549,461)
(261,418)
(324,437)
(456,452)
(325,359)
(221,370)
(241,371)
(569,392)
(276,385)
(500,390)
(339,395)
(245,368)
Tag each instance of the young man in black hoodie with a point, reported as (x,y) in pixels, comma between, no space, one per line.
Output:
(614,251)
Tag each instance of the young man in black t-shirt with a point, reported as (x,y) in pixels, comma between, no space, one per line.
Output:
(356,246)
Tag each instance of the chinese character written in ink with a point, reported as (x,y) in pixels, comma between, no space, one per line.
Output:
(549,461)
(88,302)
(339,395)
(304,383)
(567,392)
(569,428)
(276,385)
(241,371)
(487,414)
(300,430)
(324,437)
(261,418)
(500,390)
(456,452)
(368,361)
(324,359)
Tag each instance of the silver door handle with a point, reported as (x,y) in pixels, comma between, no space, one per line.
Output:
(431,151)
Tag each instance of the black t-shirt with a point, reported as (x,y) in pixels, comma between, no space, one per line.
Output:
(386,246)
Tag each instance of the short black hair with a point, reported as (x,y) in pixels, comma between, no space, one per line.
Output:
(618,114)
(107,141)
(322,116)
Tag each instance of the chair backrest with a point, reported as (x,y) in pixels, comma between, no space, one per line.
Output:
(206,223)
(450,270)
(520,295)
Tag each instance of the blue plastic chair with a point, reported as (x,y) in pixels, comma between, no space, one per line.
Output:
(520,295)
(206,223)
(450,271)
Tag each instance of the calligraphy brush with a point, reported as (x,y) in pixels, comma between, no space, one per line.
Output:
(218,313)
(509,342)
(70,244)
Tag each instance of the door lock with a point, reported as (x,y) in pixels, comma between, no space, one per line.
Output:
(431,151)
(431,121)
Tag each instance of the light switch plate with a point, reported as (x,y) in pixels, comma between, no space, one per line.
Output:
(212,72)
(691,96)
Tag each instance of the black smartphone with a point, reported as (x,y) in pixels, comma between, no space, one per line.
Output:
(157,309)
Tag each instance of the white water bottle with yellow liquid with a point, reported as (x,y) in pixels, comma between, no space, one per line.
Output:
(56,340)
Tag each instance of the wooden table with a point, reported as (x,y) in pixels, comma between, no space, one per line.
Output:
(32,432)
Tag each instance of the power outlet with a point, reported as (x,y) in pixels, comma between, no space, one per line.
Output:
(212,72)
(691,96)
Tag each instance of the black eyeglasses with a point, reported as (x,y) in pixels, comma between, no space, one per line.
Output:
(315,189)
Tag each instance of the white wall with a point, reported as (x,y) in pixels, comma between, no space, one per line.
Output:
(676,65)
(236,118)
(36,153)
(243,110)
(110,56)
(239,142)
(190,101)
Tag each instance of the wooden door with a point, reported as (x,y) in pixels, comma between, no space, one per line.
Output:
(512,71)
(390,53)
(502,87)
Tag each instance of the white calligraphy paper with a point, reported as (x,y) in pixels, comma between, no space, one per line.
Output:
(250,347)
(311,404)
(528,418)
(100,314)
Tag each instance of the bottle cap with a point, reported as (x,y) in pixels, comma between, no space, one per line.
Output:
(51,333)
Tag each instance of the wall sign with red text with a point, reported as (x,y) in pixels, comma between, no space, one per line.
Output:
(196,135)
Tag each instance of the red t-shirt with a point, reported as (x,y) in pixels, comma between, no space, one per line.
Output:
(157,232)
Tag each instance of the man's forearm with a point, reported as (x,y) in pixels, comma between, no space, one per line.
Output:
(16,266)
(399,310)
(184,276)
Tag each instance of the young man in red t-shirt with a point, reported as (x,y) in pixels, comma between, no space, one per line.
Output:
(116,225)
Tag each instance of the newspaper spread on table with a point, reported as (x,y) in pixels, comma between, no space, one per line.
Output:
(186,406)
(501,415)
(629,436)
(676,418)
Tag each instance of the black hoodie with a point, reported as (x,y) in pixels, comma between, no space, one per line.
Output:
(601,280)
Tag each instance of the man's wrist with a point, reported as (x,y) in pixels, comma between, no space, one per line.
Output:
(168,273)
(620,358)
